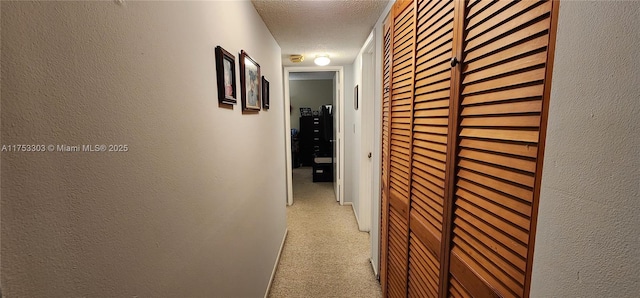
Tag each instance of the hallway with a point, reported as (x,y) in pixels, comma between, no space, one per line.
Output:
(324,255)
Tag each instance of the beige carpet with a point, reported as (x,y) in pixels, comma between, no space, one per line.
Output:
(324,255)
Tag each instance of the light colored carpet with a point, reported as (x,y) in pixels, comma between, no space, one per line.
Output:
(324,255)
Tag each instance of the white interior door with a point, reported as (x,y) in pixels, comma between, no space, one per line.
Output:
(366,139)
(338,124)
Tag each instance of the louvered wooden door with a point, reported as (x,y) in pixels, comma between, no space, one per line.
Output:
(504,70)
(434,49)
(402,67)
(464,125)
(386,108)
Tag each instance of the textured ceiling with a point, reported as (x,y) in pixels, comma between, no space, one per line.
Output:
(337,28)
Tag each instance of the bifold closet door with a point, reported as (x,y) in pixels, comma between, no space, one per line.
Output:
(434,49)
(467,87)
(384,179)
(402,70)
(502,103)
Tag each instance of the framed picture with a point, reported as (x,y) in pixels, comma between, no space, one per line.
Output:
(355,98)
(249,83)
(265,93)
(226,76)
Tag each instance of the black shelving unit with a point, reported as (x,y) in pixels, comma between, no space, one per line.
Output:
(316,133)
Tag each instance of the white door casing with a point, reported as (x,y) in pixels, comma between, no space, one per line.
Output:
(338,122)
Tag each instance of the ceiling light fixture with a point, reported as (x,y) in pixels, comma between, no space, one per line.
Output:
(322,60)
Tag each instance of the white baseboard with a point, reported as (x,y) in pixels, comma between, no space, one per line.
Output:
(275,266)
(356,215)
(375,270)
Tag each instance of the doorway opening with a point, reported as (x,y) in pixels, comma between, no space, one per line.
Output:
(328,137)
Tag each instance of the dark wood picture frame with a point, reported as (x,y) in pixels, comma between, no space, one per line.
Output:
(250,83)
(226,76)
(355,98)
(265,93)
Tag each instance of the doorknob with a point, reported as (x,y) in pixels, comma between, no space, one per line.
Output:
(454,61)
(369,155)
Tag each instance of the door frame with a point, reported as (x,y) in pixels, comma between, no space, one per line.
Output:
(339,70)
(367,164)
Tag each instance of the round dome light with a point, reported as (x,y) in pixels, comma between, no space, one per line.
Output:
(322,60)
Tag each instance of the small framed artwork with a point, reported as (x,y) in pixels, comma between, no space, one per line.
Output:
(265,93)
(226,76)
(355,98)
(249,83)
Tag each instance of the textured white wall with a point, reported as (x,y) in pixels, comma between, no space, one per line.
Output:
(193,209)
(588,237)
(309,93)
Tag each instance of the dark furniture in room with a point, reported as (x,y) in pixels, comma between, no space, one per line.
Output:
(315,144)
(295,149)
(312,139)
(323,167)
(305,138)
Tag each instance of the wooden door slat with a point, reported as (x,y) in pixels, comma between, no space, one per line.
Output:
(430,138)
(504,108)
(536,29)
(440,130)
(531,76)
(455,285)
(436,86)
(469,280)
(497,222)
(507,53)
(507,214)
(434,17)
(439,121)
(427,216)
(498,172)
(433,177)
(421,80)
(506,121)
(518,149)
(427,195)
(440,65)
(479,37)
(535,60)
(429,239)
(425,261)
(507,188)
(482,228)
(477,6)
(476,16)
(429,211)
(495,197)
(516,93)
(425,145)
(432,113)
(429,259)
(464,228)
(437,56)
(498,280)
(530,136)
